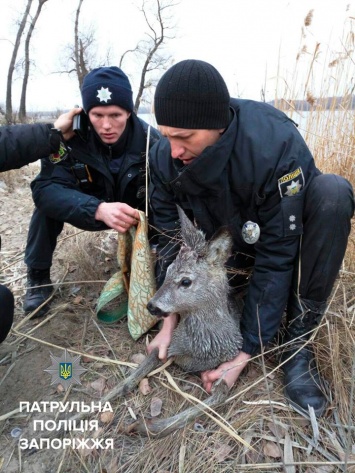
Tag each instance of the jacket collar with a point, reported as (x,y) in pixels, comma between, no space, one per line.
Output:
(92,151)
(117,148)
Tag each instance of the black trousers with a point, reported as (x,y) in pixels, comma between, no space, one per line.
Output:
(6,311)
(42,240)
(328,209)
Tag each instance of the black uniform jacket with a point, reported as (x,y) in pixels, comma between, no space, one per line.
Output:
(60,190)
(24,144)
(258,171)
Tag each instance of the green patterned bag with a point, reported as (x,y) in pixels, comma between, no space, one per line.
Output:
(128,291)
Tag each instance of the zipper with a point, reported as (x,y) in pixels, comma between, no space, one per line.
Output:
(110,188)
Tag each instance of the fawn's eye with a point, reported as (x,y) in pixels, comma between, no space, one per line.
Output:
(185,282)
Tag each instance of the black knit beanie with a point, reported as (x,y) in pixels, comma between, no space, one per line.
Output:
(192,94)
(106,86)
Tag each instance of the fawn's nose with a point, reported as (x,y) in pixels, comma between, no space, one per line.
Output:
(154,310)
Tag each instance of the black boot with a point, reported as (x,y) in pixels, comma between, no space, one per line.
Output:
(303,385)
(35,296)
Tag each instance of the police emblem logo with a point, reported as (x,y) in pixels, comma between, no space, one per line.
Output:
(104,94)
(65,370)
(61,154)
(290,184)
(250,232)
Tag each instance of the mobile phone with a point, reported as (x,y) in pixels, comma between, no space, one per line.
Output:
(81,125)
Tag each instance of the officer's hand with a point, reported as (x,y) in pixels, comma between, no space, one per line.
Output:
(116,215)
(163,339)
(65,123)
(228,371)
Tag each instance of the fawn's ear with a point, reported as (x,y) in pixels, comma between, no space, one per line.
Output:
(191,236)
(219,247)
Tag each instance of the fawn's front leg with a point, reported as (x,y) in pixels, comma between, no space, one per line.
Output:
(149,364)
(163,427)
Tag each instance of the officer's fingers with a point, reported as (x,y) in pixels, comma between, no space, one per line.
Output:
(212,376)
(132,222)
(129,211)
(204,375)
(163,353)
(207,386)
(111,219)
(65,124)
(132,215)
(127,219)
(122,227)
(74,111)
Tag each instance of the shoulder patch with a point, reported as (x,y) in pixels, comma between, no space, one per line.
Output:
(60,155)
(291,183)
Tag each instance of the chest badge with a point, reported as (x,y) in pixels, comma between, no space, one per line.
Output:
(250,232)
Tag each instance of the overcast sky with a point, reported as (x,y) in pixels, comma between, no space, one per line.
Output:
(251,42)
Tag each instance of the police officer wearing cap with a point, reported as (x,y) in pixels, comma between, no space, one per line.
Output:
(244,165)
(94,182)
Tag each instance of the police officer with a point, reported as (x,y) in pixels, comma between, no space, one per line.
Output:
(21,145)
(243,164)
(24,144)
(95,182)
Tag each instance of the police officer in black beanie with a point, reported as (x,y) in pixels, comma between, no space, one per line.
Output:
(243,164)
(97,179)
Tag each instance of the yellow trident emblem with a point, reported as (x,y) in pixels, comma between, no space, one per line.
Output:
(65,370)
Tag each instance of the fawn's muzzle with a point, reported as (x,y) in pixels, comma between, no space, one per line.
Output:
(154,310)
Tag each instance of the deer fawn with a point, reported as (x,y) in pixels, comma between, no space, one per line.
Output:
(208,334)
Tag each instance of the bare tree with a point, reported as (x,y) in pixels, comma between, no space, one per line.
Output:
(8,115)
(22,109)
(157,15)
(80,48)
(83,53)
(82,57)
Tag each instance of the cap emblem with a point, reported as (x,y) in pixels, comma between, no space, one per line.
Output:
(104,94)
